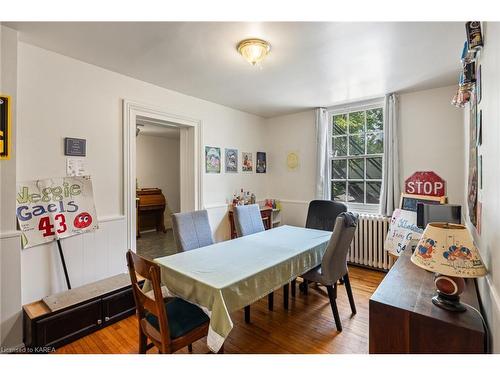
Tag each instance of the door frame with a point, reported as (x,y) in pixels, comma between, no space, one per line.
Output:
(191,160)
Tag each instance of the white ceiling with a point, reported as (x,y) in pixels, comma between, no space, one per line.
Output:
(310,65)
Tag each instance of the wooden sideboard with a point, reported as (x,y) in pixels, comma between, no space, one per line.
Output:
(403,318)
(265,213)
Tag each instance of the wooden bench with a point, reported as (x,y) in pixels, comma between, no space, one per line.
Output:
(61,318)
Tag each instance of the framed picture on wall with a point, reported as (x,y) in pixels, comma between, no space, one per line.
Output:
(212,159)
(231,160)
(246,162)
(261,162)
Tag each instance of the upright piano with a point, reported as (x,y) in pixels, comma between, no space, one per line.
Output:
(150,210)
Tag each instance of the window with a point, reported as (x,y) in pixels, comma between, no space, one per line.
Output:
(356,153)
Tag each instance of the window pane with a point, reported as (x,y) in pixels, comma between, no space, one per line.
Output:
(374,168)
(357,144)
(339,146)
(356,192)
(375,143)
(339,124)
(339,169)
(374,119)
(338,191)
(356,169)
(373,192)
(356,122)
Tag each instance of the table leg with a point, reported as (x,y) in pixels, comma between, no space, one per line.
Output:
(293,285)
(285,296)
(270,301)
(247,314)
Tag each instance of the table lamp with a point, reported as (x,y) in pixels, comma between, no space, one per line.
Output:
(448,251)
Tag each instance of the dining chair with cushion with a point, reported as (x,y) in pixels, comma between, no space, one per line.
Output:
(191,230)
(334,263)
(248,220)
(322,214)
(169,323)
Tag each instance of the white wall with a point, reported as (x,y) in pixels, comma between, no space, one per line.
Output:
(158,166)
(10,265)
(61,97)
(489,239)
(430,139)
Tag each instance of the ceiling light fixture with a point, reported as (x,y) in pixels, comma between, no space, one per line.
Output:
(253,50)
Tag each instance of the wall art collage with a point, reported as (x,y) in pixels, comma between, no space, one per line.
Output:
(213,161)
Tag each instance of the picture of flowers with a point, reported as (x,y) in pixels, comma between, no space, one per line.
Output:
(212,159)
(247,162)
(231,160)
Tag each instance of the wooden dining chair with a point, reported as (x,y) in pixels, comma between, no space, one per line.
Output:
(334,263)
(169,323)
(191,230)
(248,220)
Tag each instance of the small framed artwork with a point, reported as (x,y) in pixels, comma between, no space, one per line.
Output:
(479,85)
(212,159)
(246,162)
(231,160)
(261,162)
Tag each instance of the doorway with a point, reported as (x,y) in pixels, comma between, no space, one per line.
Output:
(185,131)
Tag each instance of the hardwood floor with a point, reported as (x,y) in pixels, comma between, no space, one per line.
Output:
(307,327)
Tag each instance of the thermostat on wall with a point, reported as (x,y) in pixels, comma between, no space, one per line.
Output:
(75,147)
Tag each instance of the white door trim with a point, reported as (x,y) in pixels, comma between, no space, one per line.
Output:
(191,157)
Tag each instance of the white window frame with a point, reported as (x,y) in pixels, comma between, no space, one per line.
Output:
(369,208)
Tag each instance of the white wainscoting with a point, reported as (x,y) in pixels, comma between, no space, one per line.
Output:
(10,290)
(294,212)
(89,257)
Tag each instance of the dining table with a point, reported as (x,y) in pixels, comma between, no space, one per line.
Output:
(227,276)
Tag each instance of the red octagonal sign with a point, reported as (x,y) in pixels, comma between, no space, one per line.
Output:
(425,183)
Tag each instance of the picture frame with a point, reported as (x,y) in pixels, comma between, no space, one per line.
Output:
(231,160)
(212,159)
(479,84)
(261,166)
(247,162)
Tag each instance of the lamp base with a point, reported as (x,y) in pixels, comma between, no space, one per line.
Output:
(447,302)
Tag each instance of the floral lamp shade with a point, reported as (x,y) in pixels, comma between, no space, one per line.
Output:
(448,249)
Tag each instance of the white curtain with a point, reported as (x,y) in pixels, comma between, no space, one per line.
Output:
(391,190)
(322,181)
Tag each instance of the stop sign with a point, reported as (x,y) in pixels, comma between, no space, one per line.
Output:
(425,183)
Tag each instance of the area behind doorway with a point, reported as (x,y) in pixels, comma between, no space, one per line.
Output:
(158,185)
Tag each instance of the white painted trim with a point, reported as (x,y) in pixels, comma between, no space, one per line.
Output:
(495,297)
(106,219)
(293,201)
(191,176)
(217,205)
(10,234)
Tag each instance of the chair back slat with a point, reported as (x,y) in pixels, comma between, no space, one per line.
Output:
(150,271)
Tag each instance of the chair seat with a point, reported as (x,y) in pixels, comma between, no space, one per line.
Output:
(182,317)
(315,275)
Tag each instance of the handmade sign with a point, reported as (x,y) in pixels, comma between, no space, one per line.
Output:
(402,230)
(425,183)
(409,201)
(55,208)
